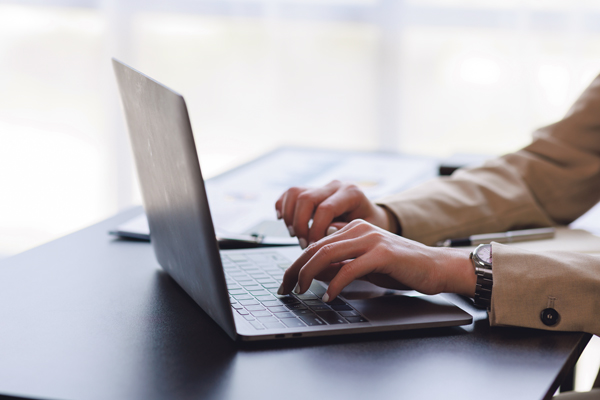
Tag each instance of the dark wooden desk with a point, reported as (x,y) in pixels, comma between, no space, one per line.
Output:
(91,317)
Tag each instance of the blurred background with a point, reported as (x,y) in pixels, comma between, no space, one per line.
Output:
(431,77)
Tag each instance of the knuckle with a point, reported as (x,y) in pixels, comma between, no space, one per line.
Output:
(352,188)
(374,235)
(325,208)
(312,249)
(355,222)
(348,272)
(305,197)
(325,251)
(295,190)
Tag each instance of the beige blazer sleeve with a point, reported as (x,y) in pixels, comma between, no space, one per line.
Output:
(552,181)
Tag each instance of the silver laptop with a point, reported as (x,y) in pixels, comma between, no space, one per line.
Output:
(237,288)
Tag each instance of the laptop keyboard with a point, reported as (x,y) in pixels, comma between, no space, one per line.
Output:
(253,280)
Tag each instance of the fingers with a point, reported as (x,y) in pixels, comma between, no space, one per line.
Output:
(334,227)
(326,255)
(346,247)
(279,205)
(350,272)
(335,205)
(306,203)
(288,206)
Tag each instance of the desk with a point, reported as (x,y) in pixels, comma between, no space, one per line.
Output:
(92,317)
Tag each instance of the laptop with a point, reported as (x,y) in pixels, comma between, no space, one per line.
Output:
(237,288)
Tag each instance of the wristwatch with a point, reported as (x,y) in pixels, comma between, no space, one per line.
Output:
(481,258)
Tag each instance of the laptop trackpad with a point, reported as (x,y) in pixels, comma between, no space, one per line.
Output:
(393,306)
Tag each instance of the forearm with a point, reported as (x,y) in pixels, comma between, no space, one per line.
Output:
(492,198)
(552,181)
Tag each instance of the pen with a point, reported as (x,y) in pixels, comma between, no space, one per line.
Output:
(500,237)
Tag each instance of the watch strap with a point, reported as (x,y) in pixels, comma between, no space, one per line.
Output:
(485,280)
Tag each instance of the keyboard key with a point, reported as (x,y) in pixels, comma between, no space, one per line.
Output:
(331,317)
(336,302)
(317,289)
(237,306)
(278,258)
(233,286)
(249,317)
(264,281)
(283,315)
(289,300)
(265,298)
(277,309)
(257,325)
(237,291)
(312,320)
(274,325)
(248,302)
(356,319)
(243,297)
(270,269)
(259,274)
(307,296)
(320,307)
(252,286)
(255,308)
(313,303)
(342,307)
(262,313)
(257,257)
(267,319)
(302,312)
(243,312)
(293,323)
(349,313)
(260,292)
(297,306)
(274,285)
(272,303)
(237,257)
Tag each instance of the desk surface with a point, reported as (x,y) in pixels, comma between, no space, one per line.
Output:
(92,317)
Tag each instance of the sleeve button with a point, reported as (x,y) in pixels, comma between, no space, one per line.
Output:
(549,317)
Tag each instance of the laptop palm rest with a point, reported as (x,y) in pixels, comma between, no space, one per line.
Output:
(383,306)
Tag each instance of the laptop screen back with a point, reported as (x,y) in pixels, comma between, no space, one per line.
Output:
(173,191)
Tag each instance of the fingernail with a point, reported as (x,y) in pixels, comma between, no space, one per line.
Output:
(331,230)
(297,288)
(325,298)
(280,290)
(310,243)
(278,214)
(302,242)
(291,230)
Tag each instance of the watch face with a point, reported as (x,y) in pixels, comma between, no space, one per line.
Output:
(485,253)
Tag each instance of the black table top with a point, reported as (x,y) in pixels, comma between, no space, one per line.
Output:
(92,317)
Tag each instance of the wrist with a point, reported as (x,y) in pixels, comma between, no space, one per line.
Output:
(391,223)
(460,274)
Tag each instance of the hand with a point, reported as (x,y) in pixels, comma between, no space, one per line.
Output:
(363,251)
(330,207)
